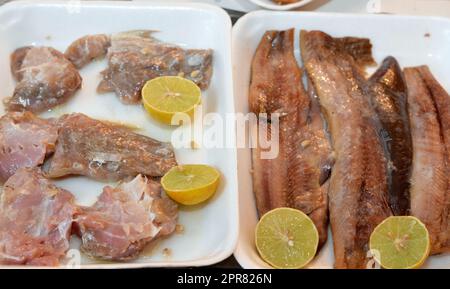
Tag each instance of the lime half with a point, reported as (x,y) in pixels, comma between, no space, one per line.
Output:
(286,238)
(400,242)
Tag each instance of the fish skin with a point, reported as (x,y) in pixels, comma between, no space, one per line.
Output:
(358,184)
(293,178)
(429,109)
(387,91)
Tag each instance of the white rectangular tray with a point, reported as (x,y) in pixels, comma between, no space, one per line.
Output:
(210,230)
(412,40)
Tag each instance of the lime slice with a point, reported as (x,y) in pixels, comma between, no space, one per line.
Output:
(165,96)
(400,242)
(286,238)
(191,184)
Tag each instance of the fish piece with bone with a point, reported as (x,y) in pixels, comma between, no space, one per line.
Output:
(295,177)
(25,141)
(358,199)
(105,151)
(45,78)
(35,220)
(125,219)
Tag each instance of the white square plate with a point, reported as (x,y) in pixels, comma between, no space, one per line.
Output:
(210,230)
(412,40)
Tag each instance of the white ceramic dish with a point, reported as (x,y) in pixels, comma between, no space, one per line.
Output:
(210,230)
(269,4)
(412,40)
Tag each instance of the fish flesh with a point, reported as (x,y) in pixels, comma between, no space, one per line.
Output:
(135,57)
(294,177)
(358,191)
(25,141)
(429,105)
(45,79)
(319,159)
(35,220)
(388,93)
(87,48)
(105,151)
(442,102)
(358,183)
(125,219)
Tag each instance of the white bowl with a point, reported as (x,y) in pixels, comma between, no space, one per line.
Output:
(269,4)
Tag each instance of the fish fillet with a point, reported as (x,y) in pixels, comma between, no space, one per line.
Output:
(387,91)
(294,178)
(429,105)
(105,151)
(358,184)
(135,57)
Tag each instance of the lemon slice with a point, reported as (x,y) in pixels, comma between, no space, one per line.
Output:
(165,96)
(400,242)
(286,238)
(191,184)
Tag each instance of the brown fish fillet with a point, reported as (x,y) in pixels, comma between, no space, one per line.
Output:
(293,177)
(104,151)
(442,103)
(358,185)
(87,48)
(135,57)
(318,159)
(45,79)
(387,91)
(429,105)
